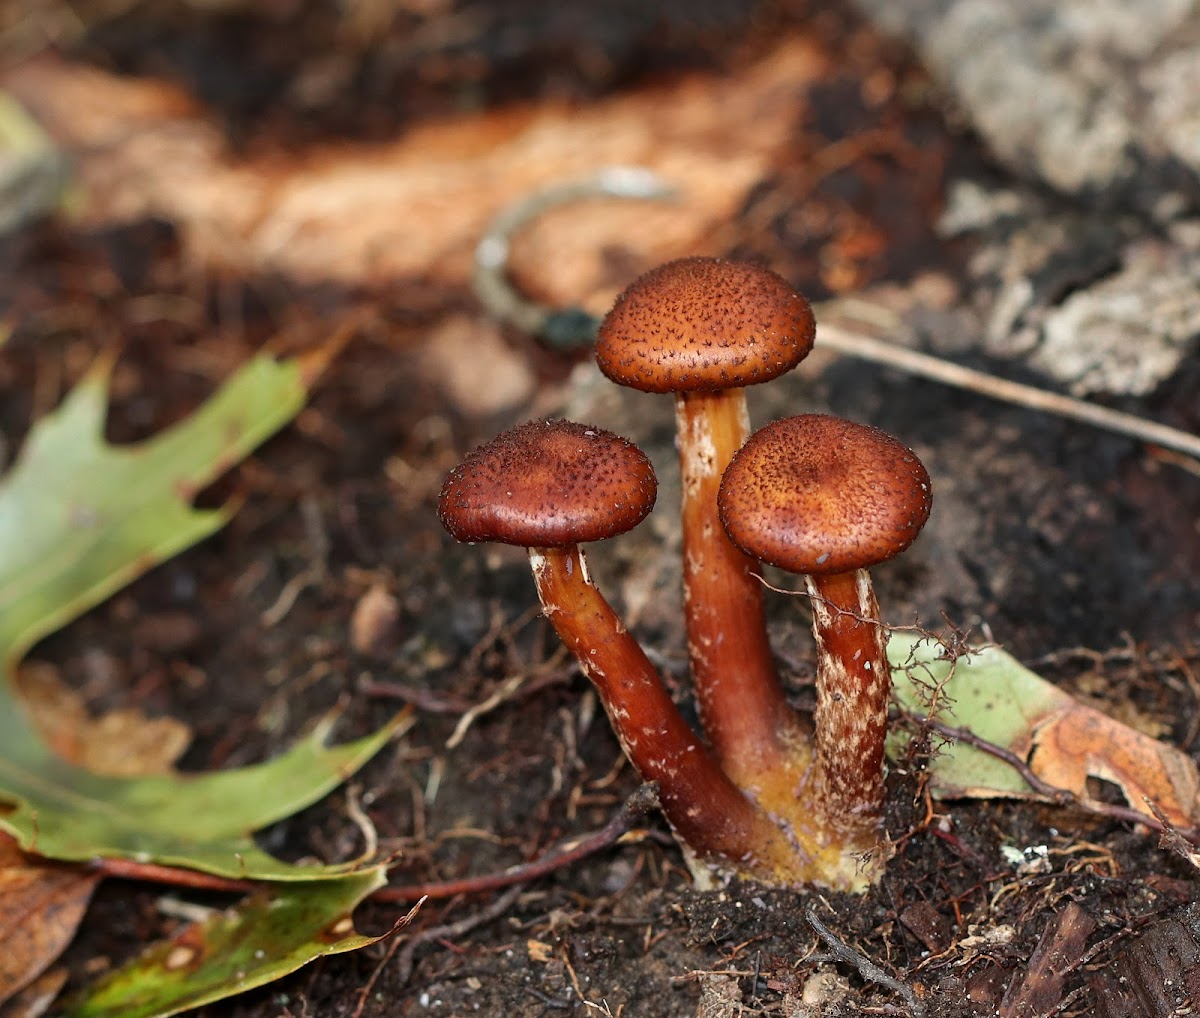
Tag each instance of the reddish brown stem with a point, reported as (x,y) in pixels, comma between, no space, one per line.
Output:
(742,706)
(707,810)
(632,811)
(175,876)
(853,683)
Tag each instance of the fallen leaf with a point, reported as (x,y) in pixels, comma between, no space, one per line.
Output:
(1062,741)
(201,821)
(253,943)
(41,906)
(345,211)
(38,997)
(80,518)
(121,743)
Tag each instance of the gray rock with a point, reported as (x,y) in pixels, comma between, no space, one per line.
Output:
(1129,332)
(1088,299)
(1083,95)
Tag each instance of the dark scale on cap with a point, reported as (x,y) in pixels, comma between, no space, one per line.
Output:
(548,483)
(702,324)
(818,495)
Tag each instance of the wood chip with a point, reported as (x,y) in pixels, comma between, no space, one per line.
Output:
(1041,987)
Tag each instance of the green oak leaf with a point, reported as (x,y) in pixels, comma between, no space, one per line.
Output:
(989,692)
(80,518)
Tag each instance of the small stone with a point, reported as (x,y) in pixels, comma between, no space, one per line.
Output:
(481,374)
(373,626)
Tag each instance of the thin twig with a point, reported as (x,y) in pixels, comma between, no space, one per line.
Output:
(315,573)
(363,822)
(523,684)
(403,921)
(867,969)
(492,912)
(1043,789)
(424,699)
(832,336)
(505,691)
(623,821)
(1175,840)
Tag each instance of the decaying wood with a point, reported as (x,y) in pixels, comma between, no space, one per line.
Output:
(1040,989)
(1155,976)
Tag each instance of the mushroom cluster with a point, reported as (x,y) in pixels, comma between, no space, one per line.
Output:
(770,795)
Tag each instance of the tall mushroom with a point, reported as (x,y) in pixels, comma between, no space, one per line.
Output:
(703,329)
(548,486)
(829,498)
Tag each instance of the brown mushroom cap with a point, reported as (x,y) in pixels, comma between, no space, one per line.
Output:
(819,495)
(548,484)
(702,324)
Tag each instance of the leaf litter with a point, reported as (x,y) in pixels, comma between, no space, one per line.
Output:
(41,905)
(79,519)
(951,893)
(1063,742)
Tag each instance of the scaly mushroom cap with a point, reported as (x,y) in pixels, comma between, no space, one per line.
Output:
(819,495)
(702,324)
(548,484)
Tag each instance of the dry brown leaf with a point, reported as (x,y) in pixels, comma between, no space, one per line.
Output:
(374,621)
(416,207)
(1076,742)
(38,997)
(478,372)
(122,743)
(1063,741)
(40,908)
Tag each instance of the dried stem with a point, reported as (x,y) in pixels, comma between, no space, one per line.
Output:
(632,811)
(853,343)
(869,971)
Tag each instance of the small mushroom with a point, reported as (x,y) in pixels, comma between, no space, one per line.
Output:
(828,498)
(703,329)
(548,486)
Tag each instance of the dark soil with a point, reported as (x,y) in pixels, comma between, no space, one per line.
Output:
(1077,550)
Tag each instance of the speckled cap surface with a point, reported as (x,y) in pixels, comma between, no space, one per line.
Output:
(548,484)
(702,324)
(819,495)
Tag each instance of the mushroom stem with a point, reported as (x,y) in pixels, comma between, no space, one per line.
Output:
(742,706)
(853,683)
(704,807)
